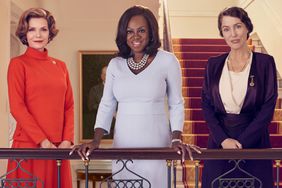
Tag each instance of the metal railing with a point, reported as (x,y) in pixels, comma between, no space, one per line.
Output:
(167,154)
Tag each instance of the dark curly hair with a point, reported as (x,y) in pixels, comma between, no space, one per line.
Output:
(121,38)
(236,12)
(23,26)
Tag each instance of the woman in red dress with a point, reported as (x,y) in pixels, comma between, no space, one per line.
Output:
(41,100)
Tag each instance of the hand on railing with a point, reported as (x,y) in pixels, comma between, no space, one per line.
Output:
(84,150)
(230,143)
(184,149)
(47,144)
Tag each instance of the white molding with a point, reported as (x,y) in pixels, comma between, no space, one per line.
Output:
(276,20)
(245,3)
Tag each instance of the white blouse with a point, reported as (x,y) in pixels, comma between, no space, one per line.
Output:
(233,87)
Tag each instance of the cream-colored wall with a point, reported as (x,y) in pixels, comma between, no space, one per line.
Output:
(196,19)
(25,4)
(4,59)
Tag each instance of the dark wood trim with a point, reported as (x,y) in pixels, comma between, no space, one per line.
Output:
(141,153)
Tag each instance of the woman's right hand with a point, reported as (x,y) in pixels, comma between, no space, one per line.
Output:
(230,143)
(84,150)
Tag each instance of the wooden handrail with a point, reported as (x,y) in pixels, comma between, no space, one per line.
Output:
(141,153)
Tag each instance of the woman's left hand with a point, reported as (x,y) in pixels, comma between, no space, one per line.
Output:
(183,149)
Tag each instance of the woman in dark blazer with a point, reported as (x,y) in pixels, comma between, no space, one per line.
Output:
(238,100)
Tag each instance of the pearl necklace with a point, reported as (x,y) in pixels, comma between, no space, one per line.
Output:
(137,66)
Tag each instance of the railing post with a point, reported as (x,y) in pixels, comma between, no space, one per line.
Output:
(174,172)
(197,164)
(277,165)
(59,164)
(86,166)
(168,162)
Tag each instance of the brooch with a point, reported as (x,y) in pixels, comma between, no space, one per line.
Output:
(252,83)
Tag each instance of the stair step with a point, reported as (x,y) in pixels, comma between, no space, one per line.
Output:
(279,103)
(192,81)
(193,72)
(195,63)
(277,115)
(191,91)
(200,48)
(195,127)
(194,114)
(192,102)
(196,55)
(198,41)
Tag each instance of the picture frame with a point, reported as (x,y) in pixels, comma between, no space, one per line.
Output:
(91,64)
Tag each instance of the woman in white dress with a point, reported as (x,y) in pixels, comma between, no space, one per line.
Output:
(138,82)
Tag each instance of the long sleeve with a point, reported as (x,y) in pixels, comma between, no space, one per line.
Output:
(107,106)
(68,131)
(263,117)
(208,107)
(174,93)
(18,106)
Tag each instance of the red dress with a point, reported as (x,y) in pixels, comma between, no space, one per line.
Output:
(41,101)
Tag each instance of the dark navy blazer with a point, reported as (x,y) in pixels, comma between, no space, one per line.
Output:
(259,105)
(259,102)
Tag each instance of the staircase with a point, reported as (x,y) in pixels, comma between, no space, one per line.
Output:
(193,55)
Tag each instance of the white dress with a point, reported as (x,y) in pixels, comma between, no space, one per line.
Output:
(142,118)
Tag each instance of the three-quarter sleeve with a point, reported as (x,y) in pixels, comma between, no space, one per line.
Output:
(108,103)
(174,93)
(16,90)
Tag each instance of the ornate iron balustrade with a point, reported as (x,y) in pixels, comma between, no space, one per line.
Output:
(146,154)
